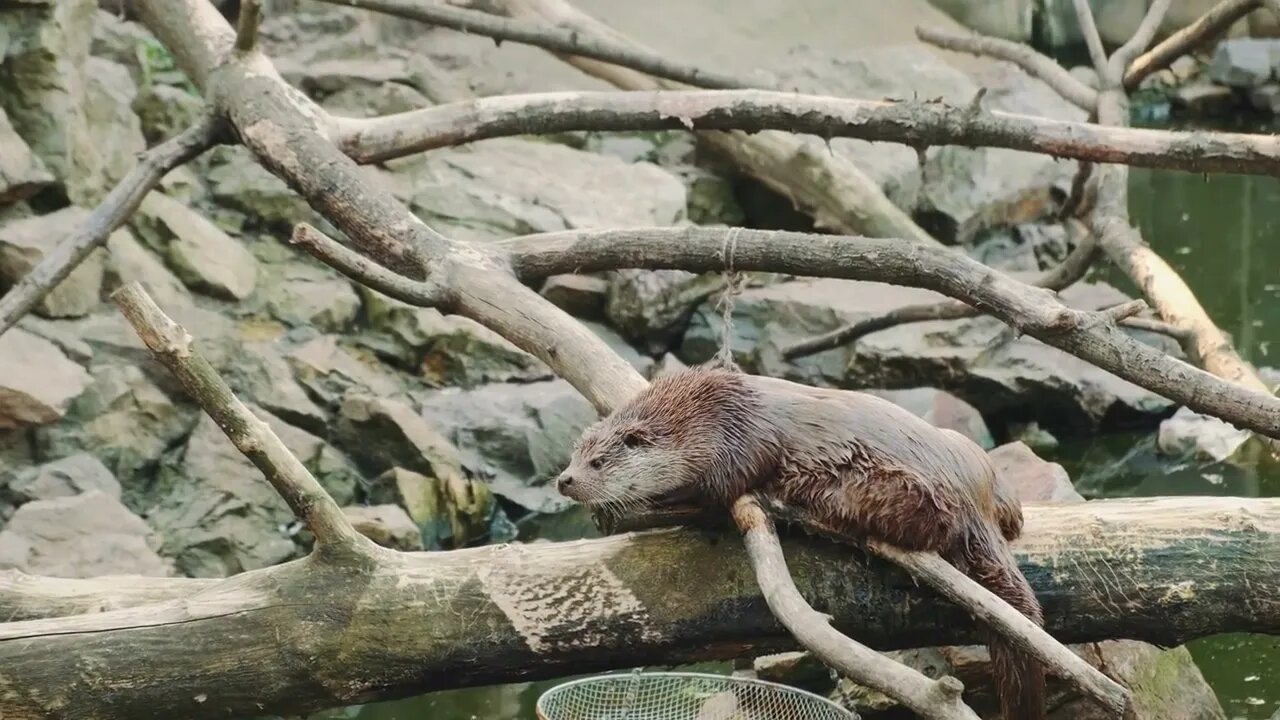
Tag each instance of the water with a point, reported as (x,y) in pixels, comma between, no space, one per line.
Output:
(1220,233)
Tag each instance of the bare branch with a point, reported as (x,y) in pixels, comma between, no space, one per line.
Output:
(1142,37)
(934,699)
(363,270)
(1089,30)
(908,123)
(1024,56)
(247,25)
(172,346)
(561,40)
(1212,24)
(114,210)
(1029,310)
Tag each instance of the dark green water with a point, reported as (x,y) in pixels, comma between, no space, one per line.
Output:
(1223,235)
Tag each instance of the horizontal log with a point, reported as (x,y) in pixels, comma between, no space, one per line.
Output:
(308,634)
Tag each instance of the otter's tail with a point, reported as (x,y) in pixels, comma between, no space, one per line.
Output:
(1019,677)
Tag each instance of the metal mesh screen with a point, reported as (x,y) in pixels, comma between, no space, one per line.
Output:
(683,696)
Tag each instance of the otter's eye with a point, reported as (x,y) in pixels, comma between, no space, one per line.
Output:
(632,440)
(596,463)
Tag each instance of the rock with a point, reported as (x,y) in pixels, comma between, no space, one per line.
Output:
(652,307)
(506,187)
(1188,434)
(582,296)
(164,111)
(124,420)
(237,181)
(1185,68)
(326,77)
(22,173)
(944,410)
(449,512)
(1266,98)
(1204,99)
(299,293)
(381,433)
(1032,479)
(216,512)
(80,536)
(516,438)
(263,377)
(330,370)
(1033,436)
(444,349)
(37,382)
(122,41)
(114,130)
(387,525)
(1242,62)
(1020,380)
(71,475)
(128,261)
(24,243)
(203,256)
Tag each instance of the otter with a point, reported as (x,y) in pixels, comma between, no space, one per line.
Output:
(854,461)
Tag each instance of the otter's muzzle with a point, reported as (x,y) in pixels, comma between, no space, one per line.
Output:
(564,484)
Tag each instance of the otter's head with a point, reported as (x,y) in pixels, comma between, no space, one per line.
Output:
(690,434)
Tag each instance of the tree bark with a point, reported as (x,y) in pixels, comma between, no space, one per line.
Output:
(307,635)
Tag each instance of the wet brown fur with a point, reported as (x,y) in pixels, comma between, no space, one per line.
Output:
(859,462)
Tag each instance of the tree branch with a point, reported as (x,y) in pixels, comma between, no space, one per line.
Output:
(560,40)
(363,270)
(1097,54)
(247,26)
(172,346)
(1142,37)
(934,699)
(1032,311)
(1213,23)
(910,123)
(114,210)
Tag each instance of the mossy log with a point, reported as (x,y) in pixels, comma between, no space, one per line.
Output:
(319,633)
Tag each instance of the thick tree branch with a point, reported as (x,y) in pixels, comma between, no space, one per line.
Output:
(1033,311)
(560,40)
(933,699)
(910,123)
(321,635)
(114,210)
(172,346)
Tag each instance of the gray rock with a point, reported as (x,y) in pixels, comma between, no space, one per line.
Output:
(582,296)
(1033,436)
(164,111)
(37,382)
(1032,479)
(122,41)
(971,358)
(124,420)
(1204,98)
(303,293)
(237,181)
(204,257)
(263,377)
(652,307)
(1188,434)
(22,173)
(942,409)
(1242,62)
(1266,98)
(80,536)
(128,261)
(387,98)
(517,438)
(388,525)
(506,187)
(23,243)
(330,370)
(68,476)
(381,434)
(449,512)
(114,132)
(444,349)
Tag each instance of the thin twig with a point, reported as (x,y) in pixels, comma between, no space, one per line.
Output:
(1084,17)
(562,40)
(1208,26)
(909,123)
(1032,311)
(1072,268)
(109,215)
(1142,37)
(172,346)
(364,270)
(1025,57)
(247,26)
(934,699)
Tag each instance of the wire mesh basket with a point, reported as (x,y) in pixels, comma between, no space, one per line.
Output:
(683,696)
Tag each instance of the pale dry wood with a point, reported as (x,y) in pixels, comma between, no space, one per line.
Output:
(363,270)
(247,25)
(932,699)
(1209,26)
(109,215)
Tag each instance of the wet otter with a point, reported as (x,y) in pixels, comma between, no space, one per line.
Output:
(855,461)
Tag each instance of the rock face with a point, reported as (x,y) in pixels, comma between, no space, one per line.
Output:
(1244,62)
(37,382)
(69,476)
(22,173)
(1019,380)
(23,243)
(388,525)
(79,536)
(203,256)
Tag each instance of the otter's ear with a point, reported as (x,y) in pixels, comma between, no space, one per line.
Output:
(634,439)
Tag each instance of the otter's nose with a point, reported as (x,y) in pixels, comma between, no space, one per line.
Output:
(563,481)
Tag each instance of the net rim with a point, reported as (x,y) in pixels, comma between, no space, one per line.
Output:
(728,680)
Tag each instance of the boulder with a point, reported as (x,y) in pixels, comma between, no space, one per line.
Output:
(80,536)
(237,181)
(388,525)
(942,409)
(71,475)
(113,130)
(1243,62)
(1004,378)
(329,370)
(382,433)
(652,307)
(37,382)
(1190,435)
(25,242)
(129,261)
(582,296)
(203,256)
(165,110)
(448,512)
(1031,478)
(304,292)
(22,173)
(262,376)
